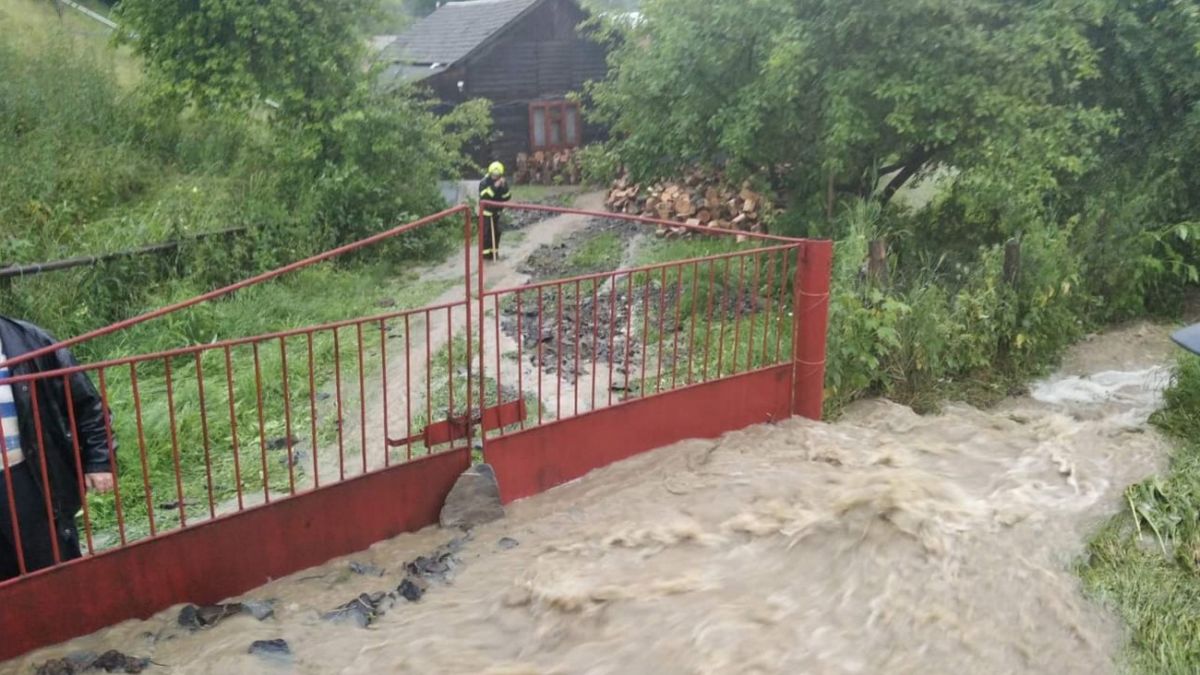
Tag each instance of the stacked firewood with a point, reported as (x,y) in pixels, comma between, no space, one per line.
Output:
(548,168)
(700,199)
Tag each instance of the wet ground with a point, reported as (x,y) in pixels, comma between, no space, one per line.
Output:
(885,543)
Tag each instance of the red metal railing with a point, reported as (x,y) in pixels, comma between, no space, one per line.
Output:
(353,431)
(209,431)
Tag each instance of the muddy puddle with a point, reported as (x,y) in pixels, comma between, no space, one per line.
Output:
(884,543)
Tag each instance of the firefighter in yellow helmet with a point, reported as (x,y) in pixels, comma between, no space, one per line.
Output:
(494,188)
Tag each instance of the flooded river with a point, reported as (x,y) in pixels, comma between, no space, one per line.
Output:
(884,543)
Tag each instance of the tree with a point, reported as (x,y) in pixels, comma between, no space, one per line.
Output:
(827,95)
(302,55)
(359,157)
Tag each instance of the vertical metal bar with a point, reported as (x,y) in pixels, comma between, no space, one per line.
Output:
(767,308)
(558,354)
(175,441)
(408,425)
(708,327)
(52,526)
(12,505)
(470,335)
(628,329)
(262,430)
(341,419)
(75,452)
(540,363)
(428,371)
(520,356)
(662,314)
(578,330)
(737,311)
(450,362)
(645,335)
(479,298)
(595,338)
(287,417)
(724,317)
(237,461)
(137,409)
(783,284)
(312,411)
(612,333)
(108,438)
(678,325)
(208,479)
(499,391)
(753,311)
(387,412)
(362,394)
(695,316)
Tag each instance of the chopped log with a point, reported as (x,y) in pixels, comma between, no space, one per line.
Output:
(703,216)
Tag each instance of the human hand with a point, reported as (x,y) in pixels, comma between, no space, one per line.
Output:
(99,482)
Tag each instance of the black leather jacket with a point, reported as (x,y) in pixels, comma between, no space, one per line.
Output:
(17,338)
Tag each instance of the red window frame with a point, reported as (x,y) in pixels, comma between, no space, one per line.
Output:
(554,117)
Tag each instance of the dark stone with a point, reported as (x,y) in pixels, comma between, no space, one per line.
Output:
(111,661)
(474,500)
(281,442)
(410,591)
(195,618)
(508,543)
(365,569)
(270,648)
(259,609)
(361,610)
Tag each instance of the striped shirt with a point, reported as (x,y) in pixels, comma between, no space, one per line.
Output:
(8,419)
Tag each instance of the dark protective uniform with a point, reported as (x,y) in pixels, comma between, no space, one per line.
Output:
(489,191)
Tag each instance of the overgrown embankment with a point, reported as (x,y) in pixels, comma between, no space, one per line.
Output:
(1144,562)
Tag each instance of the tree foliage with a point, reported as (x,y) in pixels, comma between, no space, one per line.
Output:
(812,90)
(359,158)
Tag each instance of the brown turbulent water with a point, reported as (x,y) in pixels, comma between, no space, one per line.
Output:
(884,543)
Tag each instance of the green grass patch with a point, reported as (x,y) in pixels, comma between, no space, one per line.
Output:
(323,294)
(599,253)
(1145,562)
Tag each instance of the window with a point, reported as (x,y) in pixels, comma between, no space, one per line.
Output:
(554,125)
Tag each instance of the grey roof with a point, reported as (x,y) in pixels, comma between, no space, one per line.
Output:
(454,30)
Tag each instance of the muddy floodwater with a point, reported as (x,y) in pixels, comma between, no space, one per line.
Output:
(886,542)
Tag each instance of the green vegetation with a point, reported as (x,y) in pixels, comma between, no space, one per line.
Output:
(111,148)
(1144,562)
(1045,150)
(815,106)
(598,253)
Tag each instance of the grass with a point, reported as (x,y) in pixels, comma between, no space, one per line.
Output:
(171,427)
(599,253)
(561,195)
(1145,562)
(30,24)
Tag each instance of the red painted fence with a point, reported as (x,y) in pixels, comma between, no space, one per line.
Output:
(252,458)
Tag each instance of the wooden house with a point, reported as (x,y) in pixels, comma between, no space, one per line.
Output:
(525,56)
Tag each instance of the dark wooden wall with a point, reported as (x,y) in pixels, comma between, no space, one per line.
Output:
(541,57)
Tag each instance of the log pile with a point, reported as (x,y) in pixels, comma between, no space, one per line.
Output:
(548,168)
(700,199)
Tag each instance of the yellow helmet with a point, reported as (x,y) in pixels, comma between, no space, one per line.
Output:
(496,169)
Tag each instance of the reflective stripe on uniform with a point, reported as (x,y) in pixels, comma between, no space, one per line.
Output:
(488,214)
(487,192)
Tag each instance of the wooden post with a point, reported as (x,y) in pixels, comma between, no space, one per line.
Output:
(877,265)
(1012,262)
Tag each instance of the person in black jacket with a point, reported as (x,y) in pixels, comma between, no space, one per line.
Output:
(39,474)
(494,188)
